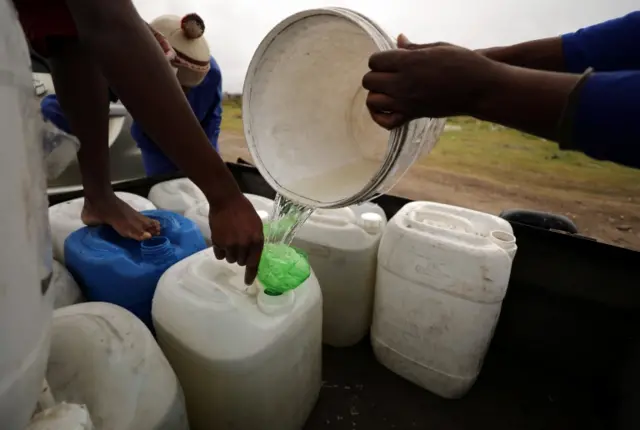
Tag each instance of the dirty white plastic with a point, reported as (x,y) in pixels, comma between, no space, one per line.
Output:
(104,357)
(200,213)
(25,255)
(66,291)
(440,285)
(177,195)
(59,149)
(245,360)
(342,250)
(64,416)
(45,400)
(305,118)
(65,218)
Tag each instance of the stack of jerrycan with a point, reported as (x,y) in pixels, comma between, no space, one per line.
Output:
(65,289)
(342,246)
(247,357)
(342,250)
(177,195)
(125,272)
(200,213)
(443,272)
(64,218)
(103,357)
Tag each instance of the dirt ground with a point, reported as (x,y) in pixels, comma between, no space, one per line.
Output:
(614,221)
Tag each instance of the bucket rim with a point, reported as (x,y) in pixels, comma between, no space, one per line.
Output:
(382,41)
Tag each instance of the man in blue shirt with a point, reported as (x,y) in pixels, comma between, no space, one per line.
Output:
(198,74)
(200,78)
(581,89)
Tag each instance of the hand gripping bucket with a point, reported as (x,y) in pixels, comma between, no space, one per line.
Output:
(305,118)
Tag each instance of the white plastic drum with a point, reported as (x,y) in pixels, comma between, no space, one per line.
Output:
(177,195)
(65,290)
(65,218)
(342,250)
(64,416)
(25,257)
(200,213)
(443,272)
(104,357)
(305,119)
(246,360)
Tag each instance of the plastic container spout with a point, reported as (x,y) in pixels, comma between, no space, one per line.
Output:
(157,249)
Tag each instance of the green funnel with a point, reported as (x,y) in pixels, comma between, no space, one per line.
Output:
(282,268)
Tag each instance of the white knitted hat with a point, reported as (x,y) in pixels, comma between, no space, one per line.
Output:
(192,50)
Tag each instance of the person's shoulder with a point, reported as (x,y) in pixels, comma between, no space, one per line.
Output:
(214,68)
(213,63)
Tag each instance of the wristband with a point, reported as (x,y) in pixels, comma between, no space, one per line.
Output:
(565,125)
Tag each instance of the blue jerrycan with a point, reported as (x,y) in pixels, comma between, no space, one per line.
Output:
(125,272)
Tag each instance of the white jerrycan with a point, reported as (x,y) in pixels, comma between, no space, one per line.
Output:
(176,195)
(342,250)
(64,416)
(66,291)
(246,360)
(104,357)
(200,213)
(64,218)
(25,258)
(443,272)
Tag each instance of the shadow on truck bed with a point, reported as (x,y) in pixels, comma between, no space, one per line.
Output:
(565,355)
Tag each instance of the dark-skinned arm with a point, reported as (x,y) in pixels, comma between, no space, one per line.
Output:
(117,36)
(543,54)
(596,114)
(529,100)
(609,46)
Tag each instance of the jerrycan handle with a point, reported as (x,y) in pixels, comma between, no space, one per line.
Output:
(208,273)
(428,221)
(328,219)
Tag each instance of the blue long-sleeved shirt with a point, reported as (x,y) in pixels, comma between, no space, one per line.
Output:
(205,100)
(607,116)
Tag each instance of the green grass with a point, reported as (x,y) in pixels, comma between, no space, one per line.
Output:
(503,155)
(500,154)
(232,116)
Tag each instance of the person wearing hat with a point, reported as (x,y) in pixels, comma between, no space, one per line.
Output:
(200,78)
(198,74)
(94,45)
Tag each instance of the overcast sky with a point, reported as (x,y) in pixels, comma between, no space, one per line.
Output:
(236,27)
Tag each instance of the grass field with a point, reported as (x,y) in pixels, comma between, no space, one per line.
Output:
(518,169)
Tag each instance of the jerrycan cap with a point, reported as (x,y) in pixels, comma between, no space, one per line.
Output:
(371,222)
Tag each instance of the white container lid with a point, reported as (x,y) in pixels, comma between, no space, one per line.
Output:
(305,118)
